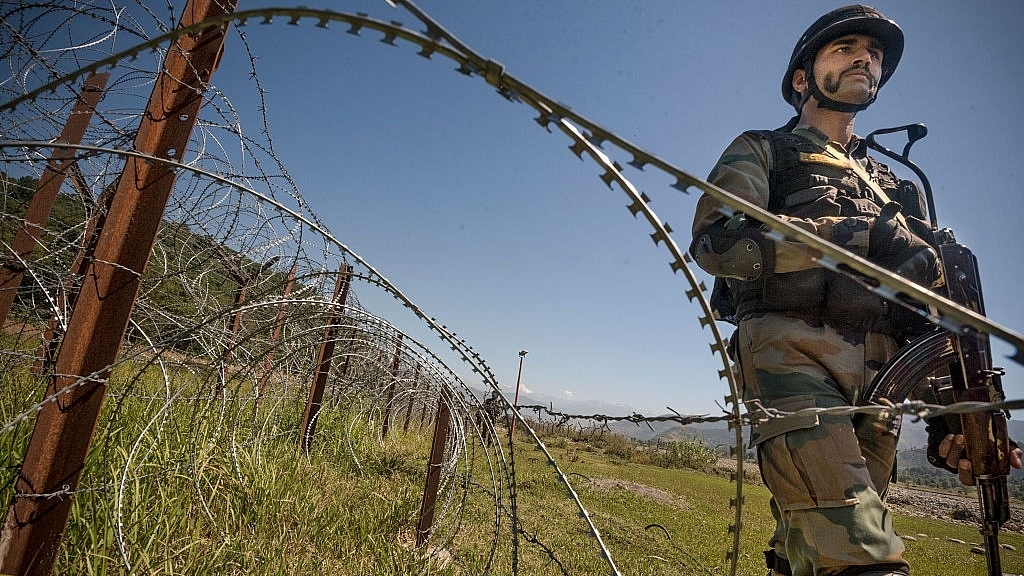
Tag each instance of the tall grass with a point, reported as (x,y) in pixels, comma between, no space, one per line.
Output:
(189,484)
(235,508)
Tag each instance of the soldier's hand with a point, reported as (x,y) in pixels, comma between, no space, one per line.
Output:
(892,245)
(952,449)
(922,267)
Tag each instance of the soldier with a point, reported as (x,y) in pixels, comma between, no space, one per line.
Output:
(488,415)
(807,337)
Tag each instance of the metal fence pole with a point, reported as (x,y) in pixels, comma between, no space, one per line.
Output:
(423,415)
(391,388)
(276,335)
(56,453)
(434,468)
(46,354)
(515,402)
(242,280)
(324,359)
(412,397)
(12,271)
(343,373)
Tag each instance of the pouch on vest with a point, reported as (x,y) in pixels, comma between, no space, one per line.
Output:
(721,302)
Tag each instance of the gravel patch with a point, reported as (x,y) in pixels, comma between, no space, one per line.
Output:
(656,494)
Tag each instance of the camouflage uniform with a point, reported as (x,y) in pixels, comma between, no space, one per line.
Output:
(488,415)
(827,474)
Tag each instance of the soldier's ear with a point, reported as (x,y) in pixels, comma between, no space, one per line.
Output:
(799,80)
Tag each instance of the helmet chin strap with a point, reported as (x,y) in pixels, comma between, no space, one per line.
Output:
(829,103)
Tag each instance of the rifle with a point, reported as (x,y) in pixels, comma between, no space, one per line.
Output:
(964,362)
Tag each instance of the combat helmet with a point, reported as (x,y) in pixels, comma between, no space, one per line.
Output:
(854,19)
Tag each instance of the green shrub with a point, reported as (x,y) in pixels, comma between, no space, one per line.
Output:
(689,453)
(619,447)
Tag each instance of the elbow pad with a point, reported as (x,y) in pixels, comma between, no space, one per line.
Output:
(742,253)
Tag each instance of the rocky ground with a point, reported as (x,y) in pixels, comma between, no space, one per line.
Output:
(959,508)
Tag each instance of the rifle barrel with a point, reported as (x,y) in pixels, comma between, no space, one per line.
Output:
(993,494)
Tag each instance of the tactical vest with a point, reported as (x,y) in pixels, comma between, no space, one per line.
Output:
(801,174)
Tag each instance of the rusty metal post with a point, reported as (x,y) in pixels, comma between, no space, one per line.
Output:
(236,314)
(347,361)
(56,453)
(423,415)
(343,373)
(391,388)
(412,397)
(242,280)
(46,354)
(433,482)
(12,271)
(275,337)
(323,361)
(241,285)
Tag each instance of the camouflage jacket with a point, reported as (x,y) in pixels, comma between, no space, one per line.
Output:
(819,186)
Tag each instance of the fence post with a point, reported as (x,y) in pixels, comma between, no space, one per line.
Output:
(12,271)
(242,280)
(47,352)
(349,341)
(391,388)
(412,397)
(423,415)
(515,403)
(276,335)
(56,453)
(324,359)
(433,482)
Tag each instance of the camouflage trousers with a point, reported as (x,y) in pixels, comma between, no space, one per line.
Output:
(828,474)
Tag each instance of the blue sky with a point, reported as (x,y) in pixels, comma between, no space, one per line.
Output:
(490,223)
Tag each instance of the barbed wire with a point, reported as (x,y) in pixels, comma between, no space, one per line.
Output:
(758,414)
(635,418)
(239,284)
(224,228)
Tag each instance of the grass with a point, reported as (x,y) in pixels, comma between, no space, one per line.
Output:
(266,511)
(209,487)
(693,508)
(690,508)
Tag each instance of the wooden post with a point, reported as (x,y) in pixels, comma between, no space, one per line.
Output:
(56,453)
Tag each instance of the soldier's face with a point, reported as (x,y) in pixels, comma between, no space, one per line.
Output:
(847,69)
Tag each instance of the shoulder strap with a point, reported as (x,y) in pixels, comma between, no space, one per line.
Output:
(864,177)
(773,138)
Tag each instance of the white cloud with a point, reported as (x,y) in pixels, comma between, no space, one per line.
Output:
(569,393)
